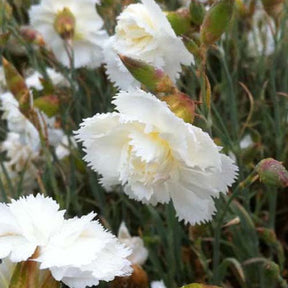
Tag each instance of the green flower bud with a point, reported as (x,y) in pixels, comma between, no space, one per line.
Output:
(154,79)
(16,84)
(179,20)
(216,21)
(197,12)
(181,105)
(272,172)
(48,104)
(267,235)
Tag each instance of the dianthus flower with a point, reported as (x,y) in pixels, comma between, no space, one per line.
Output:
(156,156)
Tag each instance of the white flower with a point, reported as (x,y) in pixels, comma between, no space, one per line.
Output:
(246,141)
(88,37)
(17,122)
(6,272)
(156,156)
(33,81)
(62,150)
(260,38)
(139,252)
(158,284)
(144,33)
(78,251)
(19,166)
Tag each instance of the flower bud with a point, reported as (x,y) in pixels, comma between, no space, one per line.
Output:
(65,23)
(216,21)
(179,20)
(272,172)
(193,45)
(267,235)
(197,12)
(272,270)
(154,79)
(49,104)
(16,84)
(273,7)
(138,279)
(181,105)
(32,36)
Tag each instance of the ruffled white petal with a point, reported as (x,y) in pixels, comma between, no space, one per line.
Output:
(139,252)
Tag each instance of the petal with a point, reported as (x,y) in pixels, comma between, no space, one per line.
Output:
(138,105)
(103,139)
(116,70)
(190,206)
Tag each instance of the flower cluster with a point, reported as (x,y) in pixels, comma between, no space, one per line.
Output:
(23,142)
(78,251)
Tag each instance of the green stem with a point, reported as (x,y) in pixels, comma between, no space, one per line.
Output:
(252,177)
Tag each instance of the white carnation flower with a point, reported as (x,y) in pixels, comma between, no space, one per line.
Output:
(158,284)
(144,33)
(78,251)
(88,38)
(246,141)
(156,156)
(17,122)
(57,79)
(139,252)
(62,150)
(260,38)
(19,165)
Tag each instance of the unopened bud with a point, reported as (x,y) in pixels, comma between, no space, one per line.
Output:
(65,23)
(16,84)
(273,7)
(179,20)
(197,12)
(267,235)
(48,104)
(32,36)
(272,270)
(154,79)
(181,105)
(138,279)
(193,44)
(272,172)
(216,21)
